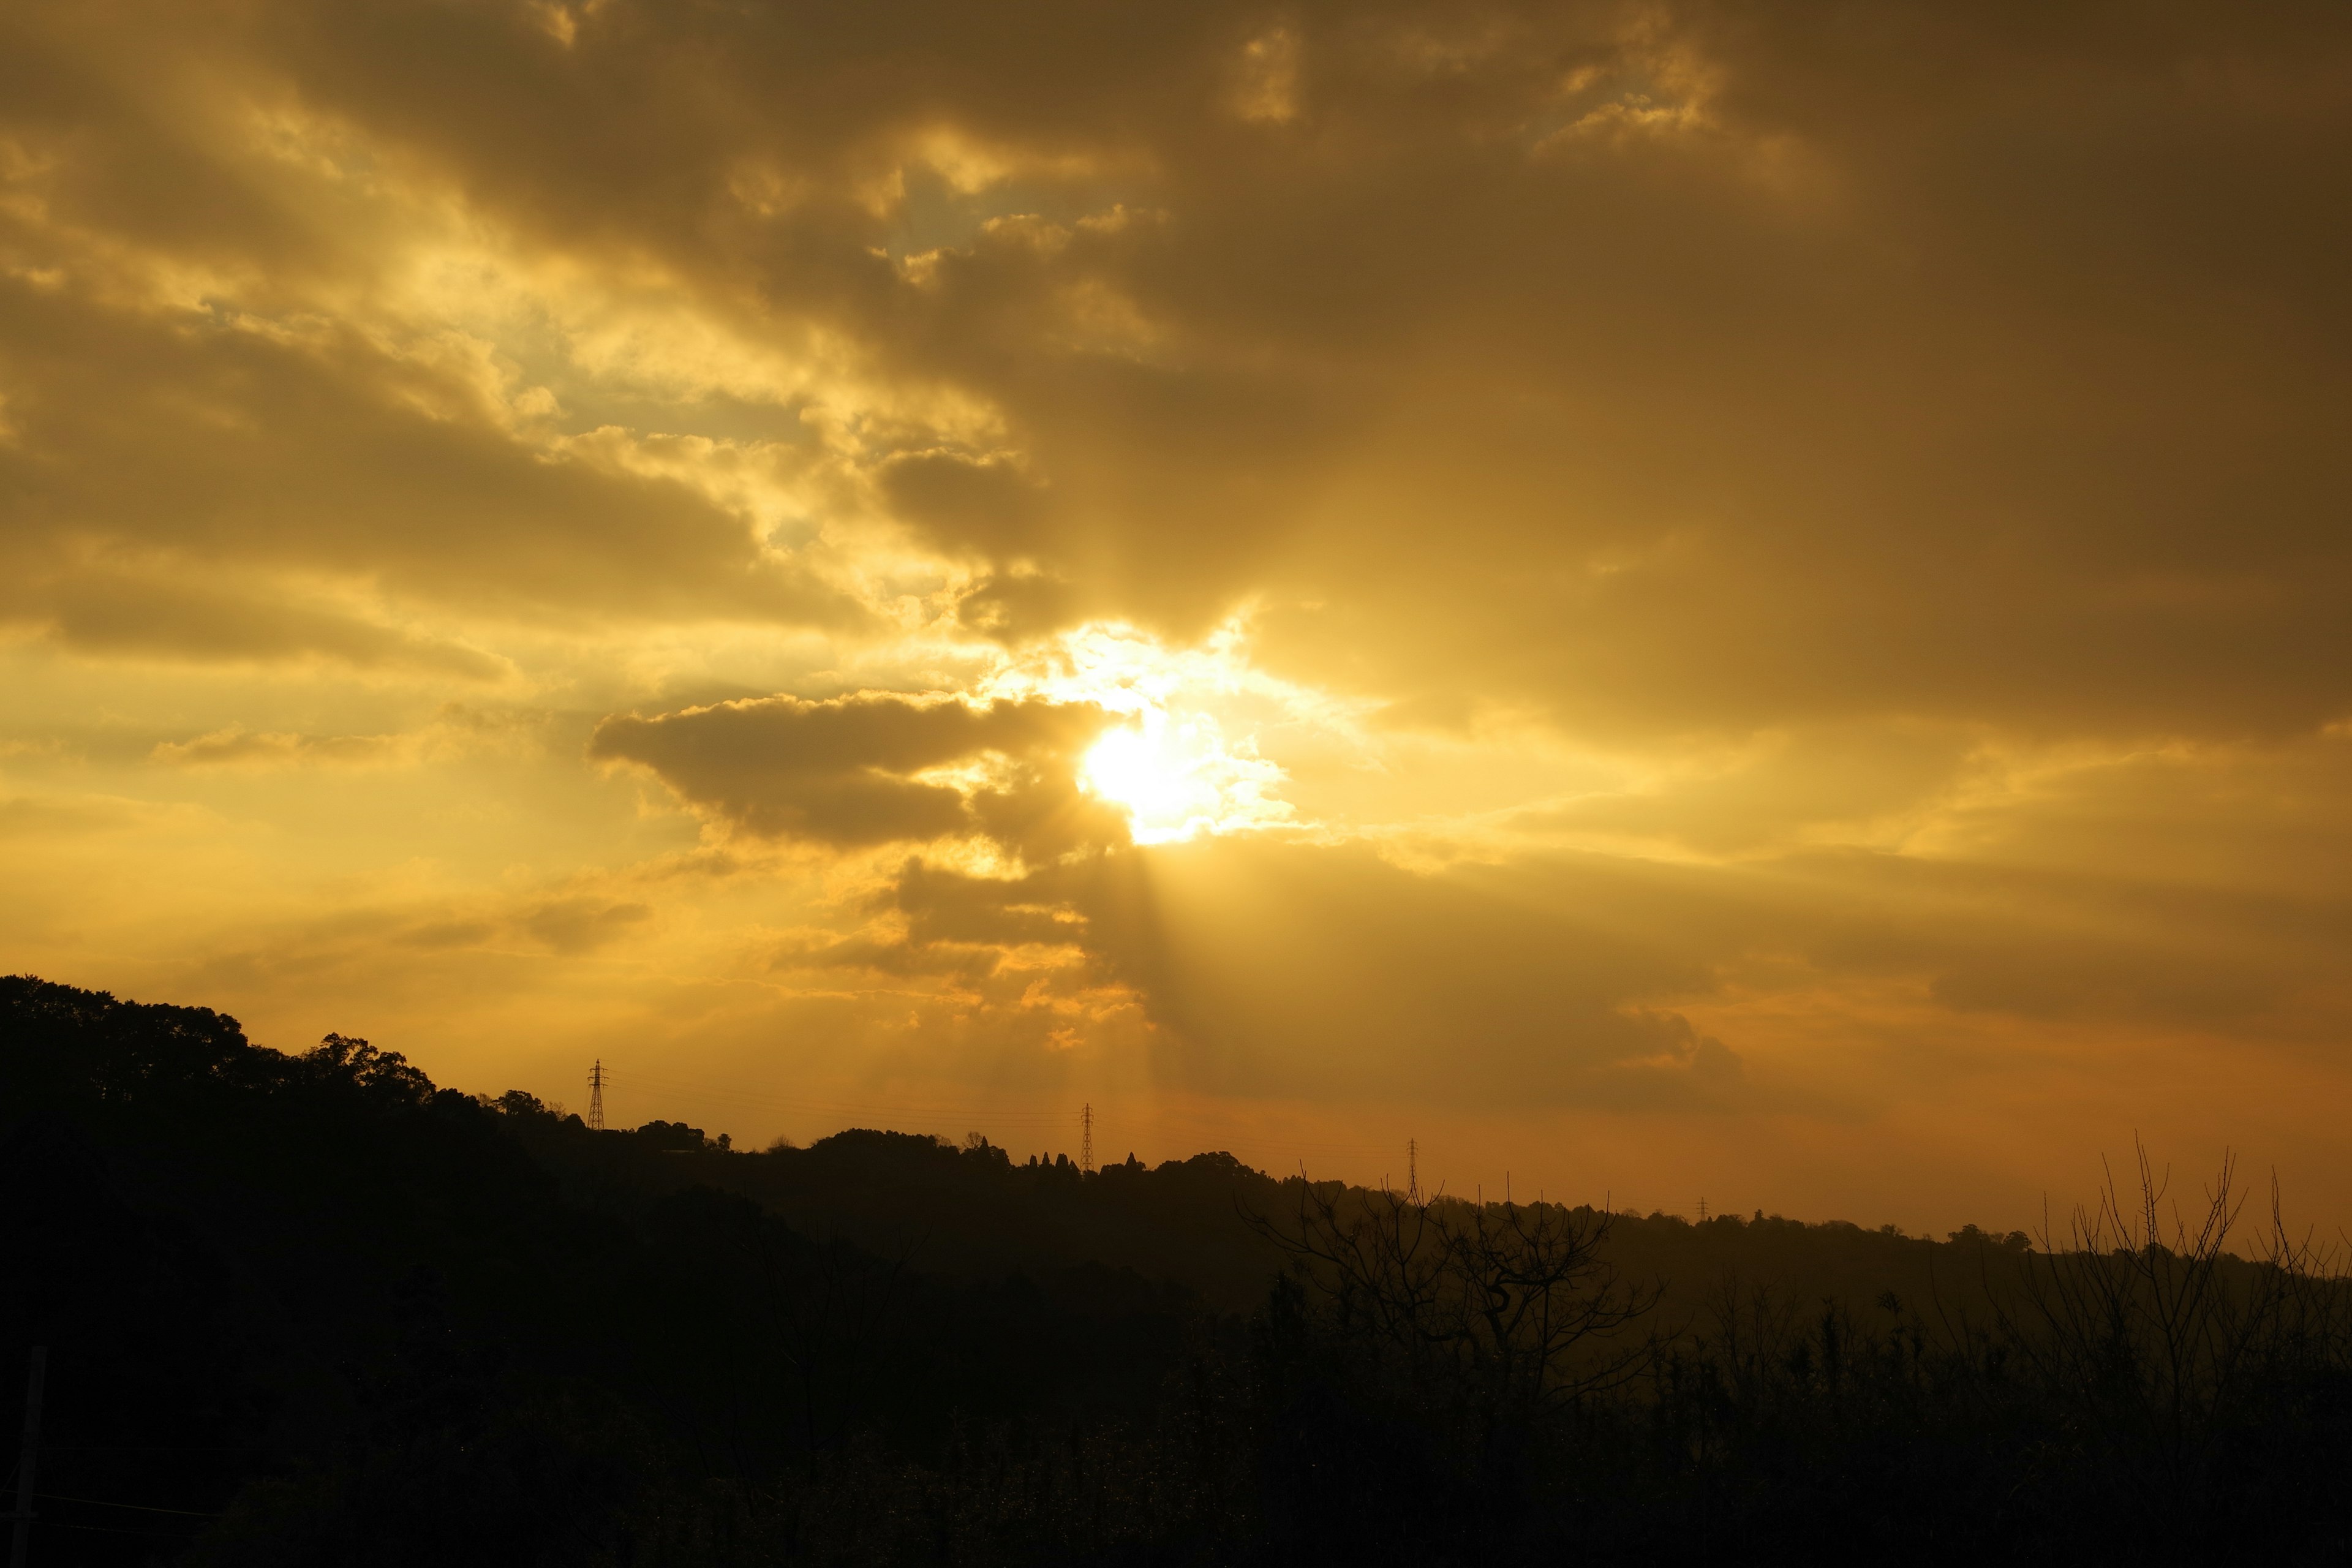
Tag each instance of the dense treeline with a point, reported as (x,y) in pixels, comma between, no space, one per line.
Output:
(313,1310)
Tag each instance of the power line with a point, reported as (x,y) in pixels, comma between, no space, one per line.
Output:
(148,1448)
(134,1506)
(112,1530)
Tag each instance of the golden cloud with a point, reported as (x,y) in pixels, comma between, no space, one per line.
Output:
(1591,537)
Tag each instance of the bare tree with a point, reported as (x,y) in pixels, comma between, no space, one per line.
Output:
(1514,1302)
(2161,1338)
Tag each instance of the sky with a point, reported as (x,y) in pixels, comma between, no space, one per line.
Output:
(1670,601)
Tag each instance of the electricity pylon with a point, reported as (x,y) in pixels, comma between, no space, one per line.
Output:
(1087,1140)
(596,1095)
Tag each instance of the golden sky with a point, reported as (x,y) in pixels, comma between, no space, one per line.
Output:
(1673,600)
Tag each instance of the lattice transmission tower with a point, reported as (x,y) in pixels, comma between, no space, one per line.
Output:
(1087,1140)
(596,1095)
(1412,1170)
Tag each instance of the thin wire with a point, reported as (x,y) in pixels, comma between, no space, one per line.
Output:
(110,1529)
(147,1448)
(140,1507)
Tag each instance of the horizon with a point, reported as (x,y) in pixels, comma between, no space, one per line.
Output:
(1282,1160)
(1659,599)
(314,1307)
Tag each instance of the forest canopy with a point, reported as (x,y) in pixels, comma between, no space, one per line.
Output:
(313,1308)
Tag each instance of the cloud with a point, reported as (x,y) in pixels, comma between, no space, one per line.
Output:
(454,730)
(1282,969)
(118,614)
(584,924)
(1327,971)
(862,769)
(237,747)
(185,436)
(1766,551)
(1859,782)
(966,502)
(1656,368)
(1019,608)
(48,816)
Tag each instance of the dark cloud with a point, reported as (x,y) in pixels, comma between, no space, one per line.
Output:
(45,818)
(584,924)
(199,441)
(1779,787)
(966,502)
(1293,970)
(1825,425)
(117,613)
(1018,607)
(1658,365)
(897,959)
(843,772)
(263,748)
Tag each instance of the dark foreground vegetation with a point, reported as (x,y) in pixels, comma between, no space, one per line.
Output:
(313,1311)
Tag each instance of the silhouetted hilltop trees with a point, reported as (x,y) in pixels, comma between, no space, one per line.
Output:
(967,1209)
(356,1314)
(312,1308)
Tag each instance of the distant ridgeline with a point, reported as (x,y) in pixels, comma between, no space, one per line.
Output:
(312,1309)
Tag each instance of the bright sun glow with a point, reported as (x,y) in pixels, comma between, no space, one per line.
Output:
(1183,760)
(1162,774)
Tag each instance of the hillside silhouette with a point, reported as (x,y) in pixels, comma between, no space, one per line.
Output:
(312,1308)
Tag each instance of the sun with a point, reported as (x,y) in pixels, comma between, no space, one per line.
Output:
(1122,768)
(1156,772)
(1181,755)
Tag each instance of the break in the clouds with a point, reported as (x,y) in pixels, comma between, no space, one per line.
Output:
(1672,560)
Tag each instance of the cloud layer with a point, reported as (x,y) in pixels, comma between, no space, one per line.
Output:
(1676,560)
